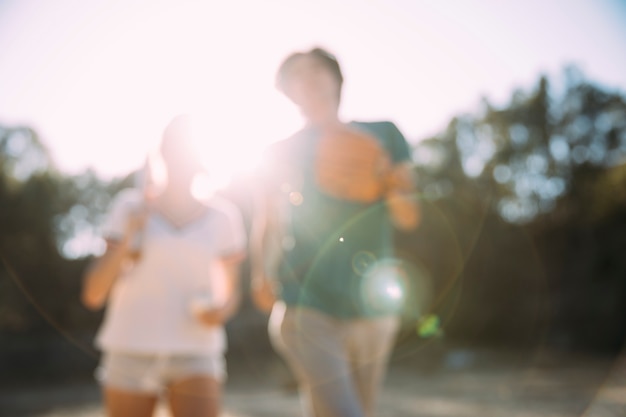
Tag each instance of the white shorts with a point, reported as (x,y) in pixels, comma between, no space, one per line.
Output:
(148,373)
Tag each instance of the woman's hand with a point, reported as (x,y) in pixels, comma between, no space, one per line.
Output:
(212,317)
(212,311)
(135,225)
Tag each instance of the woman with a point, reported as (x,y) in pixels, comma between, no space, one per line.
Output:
(169,278)
(333,193)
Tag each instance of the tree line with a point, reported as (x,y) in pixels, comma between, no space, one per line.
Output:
(524,225)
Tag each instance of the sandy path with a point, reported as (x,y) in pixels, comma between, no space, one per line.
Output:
(468,384)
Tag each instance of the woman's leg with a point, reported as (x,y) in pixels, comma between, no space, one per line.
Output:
(195,396)
(121,403)
(130,384)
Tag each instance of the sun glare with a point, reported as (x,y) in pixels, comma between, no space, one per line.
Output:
(225,153)
(188,68)
(231,143)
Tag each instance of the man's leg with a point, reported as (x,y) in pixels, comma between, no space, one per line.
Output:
(370,344)
(312,343)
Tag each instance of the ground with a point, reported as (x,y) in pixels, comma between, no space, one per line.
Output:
(459,382)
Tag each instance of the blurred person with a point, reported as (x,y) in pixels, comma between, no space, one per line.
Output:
(322,252)
(170,280)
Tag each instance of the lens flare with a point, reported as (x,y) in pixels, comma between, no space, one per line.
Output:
(362,261)
(384,286)
(394,291)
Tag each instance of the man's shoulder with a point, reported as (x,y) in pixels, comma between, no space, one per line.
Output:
(285,150)
(383,129)
(289,143)
(389,135)
(374,123)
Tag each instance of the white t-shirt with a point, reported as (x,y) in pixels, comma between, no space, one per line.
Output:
(148,308)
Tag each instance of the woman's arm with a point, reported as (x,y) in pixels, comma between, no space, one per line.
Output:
(230,268)
(103,272)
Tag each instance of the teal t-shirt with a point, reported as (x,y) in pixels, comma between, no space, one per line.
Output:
(328,243)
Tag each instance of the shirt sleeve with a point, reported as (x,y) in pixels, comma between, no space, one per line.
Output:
(120,208)
(398,145)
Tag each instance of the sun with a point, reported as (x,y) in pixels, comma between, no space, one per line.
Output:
(225,151)
(168,59)
(231,142)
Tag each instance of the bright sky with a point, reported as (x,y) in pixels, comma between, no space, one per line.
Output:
(99,79)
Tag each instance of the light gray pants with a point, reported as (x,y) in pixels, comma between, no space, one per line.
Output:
(339,364)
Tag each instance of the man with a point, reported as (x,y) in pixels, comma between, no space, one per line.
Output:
(322,242)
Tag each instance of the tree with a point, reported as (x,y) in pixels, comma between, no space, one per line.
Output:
(528,191)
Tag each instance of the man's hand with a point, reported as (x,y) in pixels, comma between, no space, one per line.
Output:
(401,197)
(263,293)
(401,178)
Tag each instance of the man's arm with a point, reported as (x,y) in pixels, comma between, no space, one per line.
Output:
(401,197)
(264,252)
(401,193)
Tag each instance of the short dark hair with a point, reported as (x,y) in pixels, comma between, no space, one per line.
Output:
(323,56)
